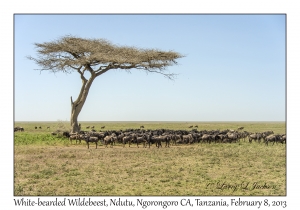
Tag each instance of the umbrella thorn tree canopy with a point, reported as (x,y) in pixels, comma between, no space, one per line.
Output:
(74,54)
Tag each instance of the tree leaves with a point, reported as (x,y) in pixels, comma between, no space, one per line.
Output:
(70,53)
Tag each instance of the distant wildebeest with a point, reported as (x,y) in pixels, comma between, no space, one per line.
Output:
(87,127)
(18,129)
(190,126)
(40,127)
(142,126)
(240,128)
(102,127)
(35,127)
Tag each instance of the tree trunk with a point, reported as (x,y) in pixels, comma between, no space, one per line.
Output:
(77,105)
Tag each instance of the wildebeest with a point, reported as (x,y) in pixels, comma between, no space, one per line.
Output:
(18,129)
(255,136)
(232,137)
(142,126)
(188,139)
(102,127)
(142,139)
(272,138)
(74,136)
(109,140)
(88,139)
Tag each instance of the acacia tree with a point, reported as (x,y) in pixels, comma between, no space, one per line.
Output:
(96,56)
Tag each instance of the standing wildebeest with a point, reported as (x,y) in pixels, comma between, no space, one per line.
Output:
(232,137)
(272,138)
(128,139)
(240,128)
(35,127)
(142,139)
(207,138)
(188,139)
(142,126)
(166,138)
(89,139)
(255,136)
(102,127)
(74,136)
(109,140)
(157,140)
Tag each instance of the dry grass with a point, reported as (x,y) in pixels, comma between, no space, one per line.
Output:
(199,169)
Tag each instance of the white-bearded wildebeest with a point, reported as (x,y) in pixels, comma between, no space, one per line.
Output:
(109,140)
(90,139)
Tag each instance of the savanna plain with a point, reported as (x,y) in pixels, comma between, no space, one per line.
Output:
(48,165)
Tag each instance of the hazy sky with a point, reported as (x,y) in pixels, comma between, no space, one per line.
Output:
(234,69)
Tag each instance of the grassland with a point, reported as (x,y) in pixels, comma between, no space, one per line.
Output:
(48,165)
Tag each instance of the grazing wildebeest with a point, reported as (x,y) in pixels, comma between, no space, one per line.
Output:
(89,139)
(272,138)
(255,137)
(188,139)
(175,137)
(126,139)
(74,136)
(109,140)
(66,134)
(166,138)
(232,137)
(283,137)
(142,126)
(190,126)
(240,128)
(207,138)
(141,139)
(35,127)
(40,127)
(87,127)
(156,140)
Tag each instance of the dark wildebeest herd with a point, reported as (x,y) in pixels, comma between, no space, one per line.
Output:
(158,137)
